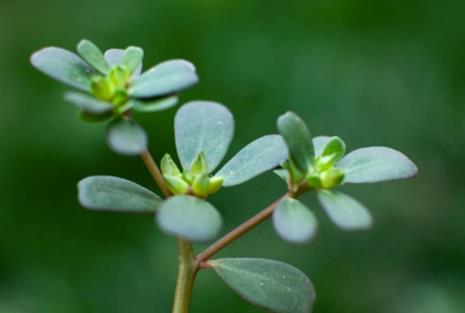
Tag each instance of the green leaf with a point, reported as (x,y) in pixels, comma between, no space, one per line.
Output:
(257,157)
(95,117)
(88,103)
(319,143)
(168,166)
(344,211)
(126,137)
(63,66)
(155,105)
(189,217)
(203,126)
(114,57)
(165,78)
(92,54)
(298,139)
(336,148)
(109,193)
(132,58)
(276,286)
(282,173)
(375,164)
(294,222)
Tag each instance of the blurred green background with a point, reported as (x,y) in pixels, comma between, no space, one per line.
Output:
(384,72)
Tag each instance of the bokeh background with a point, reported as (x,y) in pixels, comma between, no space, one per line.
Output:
(384,72)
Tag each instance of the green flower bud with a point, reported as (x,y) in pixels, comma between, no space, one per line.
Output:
(215,184)
(199,166)
(188,177)
(102,88)
(176,185)
(120,97)
(324,163)
(201,186)
(314,181)
(169,167)
(331,178)
(119,76)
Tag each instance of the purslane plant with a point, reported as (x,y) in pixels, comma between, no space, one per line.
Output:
(115,87)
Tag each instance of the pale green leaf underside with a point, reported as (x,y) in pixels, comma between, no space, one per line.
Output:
(63,66)
(155,105)
(298,139)
(294,222)
(109,193)
(165,78)
(203,126)
(276,286)
(257,157)
(114,57)
(88,103)
(126,137)
(375,164)
(92,54)
(190,218)
(344,211)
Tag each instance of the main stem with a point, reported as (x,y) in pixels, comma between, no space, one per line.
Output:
(188,266)
(186,275)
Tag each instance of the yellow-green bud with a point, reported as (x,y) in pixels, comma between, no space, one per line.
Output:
(188,177)
(119,76)
(169,167)
(201,186)
(331,178)
(314,181)
(215,184)
(176,185)
(199,166)
(102,88)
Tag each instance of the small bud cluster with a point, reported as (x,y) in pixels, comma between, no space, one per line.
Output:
(112,87)
(194,181)
(322,171)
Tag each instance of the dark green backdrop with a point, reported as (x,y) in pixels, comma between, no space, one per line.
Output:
(384,72)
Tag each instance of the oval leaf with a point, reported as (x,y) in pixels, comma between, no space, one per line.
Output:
(155,105)
(334,147)
(63,66)
(132,58)
(375,164)
(114,57)
(344,211)
(203,126)
(189,217)
(294,222)
(109,193)
(298,139)
(126,137)
(274,285)
(92,54)
(88,103)
(165,78)
(257,157)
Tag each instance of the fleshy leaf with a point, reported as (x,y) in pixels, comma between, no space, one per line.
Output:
(63,66)
(319,143)
(375,164)
(276,286)
(155,105)
(294,222)
(298,139)
(88,103)
(344,211)
(189,217)
(109,193)
(114,57)
(132,58)
(257,157)
(92,54)
(335,147)
(203,126)
(126,137)
(165,78)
